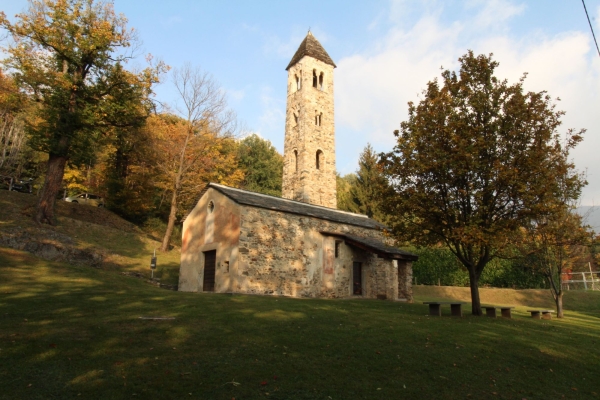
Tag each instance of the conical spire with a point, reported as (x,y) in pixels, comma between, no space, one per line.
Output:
(310,46)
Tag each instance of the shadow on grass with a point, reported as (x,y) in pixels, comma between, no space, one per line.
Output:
(75,332)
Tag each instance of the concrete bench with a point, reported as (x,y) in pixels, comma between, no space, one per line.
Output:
(505,311)
(435,308)
(541,314)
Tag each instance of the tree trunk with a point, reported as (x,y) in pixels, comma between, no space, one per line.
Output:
(558,299)
(171,223)
(475,301)
(52,184)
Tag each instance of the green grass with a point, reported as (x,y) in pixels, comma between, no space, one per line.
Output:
(71,332)
(125,250)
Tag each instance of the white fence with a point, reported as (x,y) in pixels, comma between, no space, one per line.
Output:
(581,280)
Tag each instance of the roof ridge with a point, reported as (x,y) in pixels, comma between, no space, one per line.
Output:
(289,200)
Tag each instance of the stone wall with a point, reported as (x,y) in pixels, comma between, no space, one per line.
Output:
(309,128)
(204,231)
(285,254)
(405,277)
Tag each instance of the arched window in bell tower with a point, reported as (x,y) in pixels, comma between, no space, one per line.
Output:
(295,119)
(318,118)
(314,78)
(298,81)
(320,161)
(295,160)
(321,78)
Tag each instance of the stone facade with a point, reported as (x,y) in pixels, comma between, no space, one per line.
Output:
(309,147)
(263,251)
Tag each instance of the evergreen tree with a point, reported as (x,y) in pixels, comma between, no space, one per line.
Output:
(370,183)
(344,197)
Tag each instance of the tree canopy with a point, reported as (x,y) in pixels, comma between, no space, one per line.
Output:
(370,182)
(68,55)
(477,160)
(262,165)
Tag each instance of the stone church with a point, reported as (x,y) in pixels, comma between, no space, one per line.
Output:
(237,241)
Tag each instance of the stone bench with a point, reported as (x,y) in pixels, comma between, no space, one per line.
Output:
(541,314)
(435,308)
(505,311)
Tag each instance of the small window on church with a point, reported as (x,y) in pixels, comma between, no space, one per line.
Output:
(321,81)
(211,207)
(338,243)
(314,78)
(298,82)
(319,159)
(296,160)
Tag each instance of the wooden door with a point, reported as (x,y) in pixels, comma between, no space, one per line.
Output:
(210,259)
(357,278)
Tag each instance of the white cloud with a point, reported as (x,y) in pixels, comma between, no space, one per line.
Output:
(372,89)
(494,13)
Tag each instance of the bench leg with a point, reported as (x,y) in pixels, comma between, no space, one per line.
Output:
(506,312)
(490,312)
(535,315)
(546,315)
(435,310)
(456,310)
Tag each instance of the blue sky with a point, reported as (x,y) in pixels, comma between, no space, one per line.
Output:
(385,52)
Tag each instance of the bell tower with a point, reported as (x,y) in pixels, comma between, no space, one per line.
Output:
(309,148)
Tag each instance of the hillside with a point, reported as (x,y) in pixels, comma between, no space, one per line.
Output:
(84,235)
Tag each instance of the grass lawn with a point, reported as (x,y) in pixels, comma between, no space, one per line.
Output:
(128,248)
(74,332)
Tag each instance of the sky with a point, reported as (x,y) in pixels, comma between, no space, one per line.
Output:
(385,51)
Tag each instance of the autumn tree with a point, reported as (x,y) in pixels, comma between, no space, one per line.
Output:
(194,147)
(477,160)
(12,128)
(68,55)
(555,243)
(262,165)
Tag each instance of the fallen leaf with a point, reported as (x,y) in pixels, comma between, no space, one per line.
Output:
(263,383)
(53,345)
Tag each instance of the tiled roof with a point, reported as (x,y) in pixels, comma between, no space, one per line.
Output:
(310,46)
(260,200)
(375,246)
